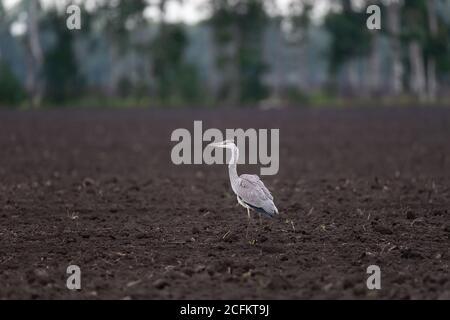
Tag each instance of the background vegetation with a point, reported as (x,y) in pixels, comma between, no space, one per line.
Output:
(246,52)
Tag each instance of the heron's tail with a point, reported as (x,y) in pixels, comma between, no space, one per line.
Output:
(271,212)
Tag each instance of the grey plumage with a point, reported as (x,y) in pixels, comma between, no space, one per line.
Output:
(254,193)
(250,190)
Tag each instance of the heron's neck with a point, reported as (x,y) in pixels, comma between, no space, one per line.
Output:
(233,164)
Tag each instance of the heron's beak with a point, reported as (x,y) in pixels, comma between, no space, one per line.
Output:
(216,145)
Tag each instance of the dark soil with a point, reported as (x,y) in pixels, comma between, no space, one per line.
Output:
(98,189)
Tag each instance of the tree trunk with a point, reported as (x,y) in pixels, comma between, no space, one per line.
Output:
(417,77)
(115,70)
(234,68)
(3,25)
(432,82)
(36,56)
(353,77)
(374,77)
(393,18)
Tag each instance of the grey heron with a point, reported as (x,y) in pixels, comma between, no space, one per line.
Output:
(251,192)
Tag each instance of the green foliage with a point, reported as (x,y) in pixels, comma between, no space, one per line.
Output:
(119,18)
(349,36)
(414,21)
(119,36)
(11,90)
(439,47)
(176,80)
(295,95)
(238,28)
(62,79)
(415,17)
(299,20)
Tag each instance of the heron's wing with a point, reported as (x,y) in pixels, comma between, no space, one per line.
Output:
(251,194)
(254,179)
(252,190)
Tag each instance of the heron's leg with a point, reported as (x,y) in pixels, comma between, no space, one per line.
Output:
(260,221)
(248,224)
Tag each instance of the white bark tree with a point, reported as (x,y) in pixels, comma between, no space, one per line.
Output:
(432,82)
(374,74)
(3,24)
(35,57)
(394,27)
(417,78)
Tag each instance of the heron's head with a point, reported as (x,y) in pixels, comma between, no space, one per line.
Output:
(223,144)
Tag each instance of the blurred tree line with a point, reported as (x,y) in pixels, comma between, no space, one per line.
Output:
(418,34)
(120,55)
